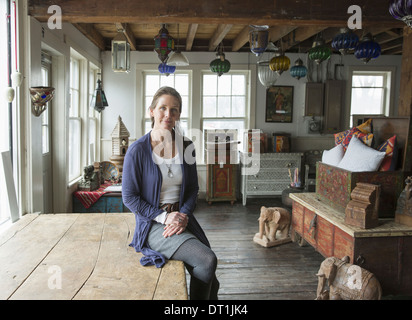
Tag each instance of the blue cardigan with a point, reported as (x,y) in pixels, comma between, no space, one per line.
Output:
(141,184)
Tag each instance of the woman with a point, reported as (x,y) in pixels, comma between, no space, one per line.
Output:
(160,186)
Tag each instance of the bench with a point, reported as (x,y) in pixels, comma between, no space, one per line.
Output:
(81,256)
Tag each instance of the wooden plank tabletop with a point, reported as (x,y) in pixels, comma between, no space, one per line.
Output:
(81,256)
(386,228)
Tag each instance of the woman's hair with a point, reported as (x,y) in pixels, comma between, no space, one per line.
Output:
(165,91)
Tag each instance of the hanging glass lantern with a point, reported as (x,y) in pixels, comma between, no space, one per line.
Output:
(166,69)
(401,10)
(279,63)
(220,65)
(319,52)
(164,43)
(298,70)
(367,49)
(266,76)
(345,41)
(99,101)
(120,53)
(258,39)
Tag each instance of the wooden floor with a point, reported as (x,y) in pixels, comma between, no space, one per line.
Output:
(245,269)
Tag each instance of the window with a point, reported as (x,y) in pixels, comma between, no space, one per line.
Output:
(225,102)
(74,121)
(45,116)
(370,93)
(93,116)
(179,81)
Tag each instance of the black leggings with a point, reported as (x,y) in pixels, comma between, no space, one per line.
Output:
(201,263)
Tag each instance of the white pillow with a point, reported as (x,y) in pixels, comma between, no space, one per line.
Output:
(359,157)
(333,156)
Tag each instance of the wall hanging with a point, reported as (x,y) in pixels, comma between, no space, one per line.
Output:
(279,104)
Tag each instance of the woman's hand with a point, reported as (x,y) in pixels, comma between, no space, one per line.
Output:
(176,223)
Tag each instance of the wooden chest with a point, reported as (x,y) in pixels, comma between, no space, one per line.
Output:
(334,186)
(386,250)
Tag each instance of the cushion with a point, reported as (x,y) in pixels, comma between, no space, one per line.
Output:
(366,127)
(391,154)
(344,138)
(359,157)
(333,156)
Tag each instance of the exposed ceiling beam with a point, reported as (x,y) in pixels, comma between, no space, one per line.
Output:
(220,33)
(268,12)
(241,39)
(191,32)
(92,34)
(123,27)
(299,35)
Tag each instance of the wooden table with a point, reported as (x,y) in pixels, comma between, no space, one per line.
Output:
(385,250)
(81,256)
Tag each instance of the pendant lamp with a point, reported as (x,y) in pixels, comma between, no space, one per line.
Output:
(99,101)
(166,69)
(120,53)
(220,65)
(177,58)
(319,52)
(164,44)
(401,10)
(298,70)
(39,98)
(279,63)
(258,39)
(345,41)
(267,77)
(367,49)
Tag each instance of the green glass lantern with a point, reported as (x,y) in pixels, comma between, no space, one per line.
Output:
(220,65)
(319,52)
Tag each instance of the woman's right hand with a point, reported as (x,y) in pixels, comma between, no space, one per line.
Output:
(176,223)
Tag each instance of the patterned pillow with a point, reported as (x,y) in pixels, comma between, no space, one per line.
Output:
(365,128)
(366,138)
(391,154)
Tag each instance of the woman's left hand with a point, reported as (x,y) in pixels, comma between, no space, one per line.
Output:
(176,223)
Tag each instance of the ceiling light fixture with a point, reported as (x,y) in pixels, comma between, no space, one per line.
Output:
(177,58)
(164,44)
(258,39)
(120,53)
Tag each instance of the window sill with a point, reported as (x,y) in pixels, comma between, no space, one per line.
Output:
(73,182)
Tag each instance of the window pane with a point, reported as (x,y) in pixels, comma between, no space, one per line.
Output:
(74,148)
(224,124)
(209,85)
(182,84)
(185,107)
(223,109)
(238,85)
(151,84)
(45,139)
(209,107)
(225,85)
(167,81)
(238,106)
(367,101)
(367,81)
(92,140)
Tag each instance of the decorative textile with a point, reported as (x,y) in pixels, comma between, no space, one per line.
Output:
(366,127)
(391,154)
(344,137)
(89,198)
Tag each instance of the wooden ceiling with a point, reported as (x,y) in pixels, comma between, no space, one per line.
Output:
(202,25)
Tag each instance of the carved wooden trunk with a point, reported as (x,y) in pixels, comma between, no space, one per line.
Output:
(334,186)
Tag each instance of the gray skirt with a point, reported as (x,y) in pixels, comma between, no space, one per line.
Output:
(166,246)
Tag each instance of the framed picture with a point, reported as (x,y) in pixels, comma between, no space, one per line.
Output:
(279,104)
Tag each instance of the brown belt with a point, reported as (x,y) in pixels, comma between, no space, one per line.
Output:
(169,207)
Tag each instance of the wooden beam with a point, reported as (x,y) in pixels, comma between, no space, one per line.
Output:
(191,32)
(266,12)
(92,34)
(124,27)
(241,39)
(218,36)
(278,32)
(299,35)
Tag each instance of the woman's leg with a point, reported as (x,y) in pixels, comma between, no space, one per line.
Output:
(201,262)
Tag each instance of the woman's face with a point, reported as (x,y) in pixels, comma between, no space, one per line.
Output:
(166,112)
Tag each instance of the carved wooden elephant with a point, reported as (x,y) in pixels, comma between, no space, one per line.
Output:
(273,219)
(346,281)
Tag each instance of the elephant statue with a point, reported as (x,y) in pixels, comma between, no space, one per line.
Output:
(346,281)
(273,219)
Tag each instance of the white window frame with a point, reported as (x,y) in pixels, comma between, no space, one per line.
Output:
(389,74)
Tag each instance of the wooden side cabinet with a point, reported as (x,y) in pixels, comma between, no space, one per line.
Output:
(221,183)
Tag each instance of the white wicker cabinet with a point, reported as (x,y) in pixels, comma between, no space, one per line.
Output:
(267,173)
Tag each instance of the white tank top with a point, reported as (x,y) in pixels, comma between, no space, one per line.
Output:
(172,178)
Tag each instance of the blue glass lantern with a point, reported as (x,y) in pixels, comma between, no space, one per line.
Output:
(367,49)
(345,41)
(166,69)
(258,39)
(401,10)
(298,70)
